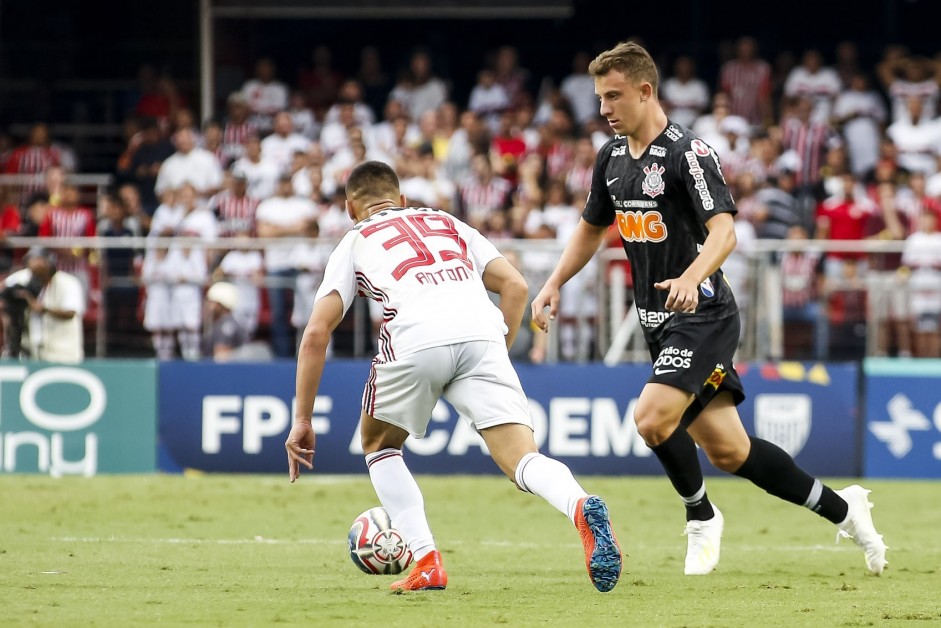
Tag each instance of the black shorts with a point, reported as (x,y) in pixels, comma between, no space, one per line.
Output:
(697,357)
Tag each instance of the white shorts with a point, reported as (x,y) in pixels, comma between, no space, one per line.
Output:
(157,307)
(475,377)
(888,296)
(186,306)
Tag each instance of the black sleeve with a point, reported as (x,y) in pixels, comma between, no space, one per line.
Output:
(698,167)
(599,210)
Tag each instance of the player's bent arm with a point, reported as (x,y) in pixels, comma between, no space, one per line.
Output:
(718,245)
(502,278)
(312,353)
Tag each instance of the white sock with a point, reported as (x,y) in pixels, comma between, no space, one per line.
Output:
(164,345)
(189,345)
(402,499)
(551,480)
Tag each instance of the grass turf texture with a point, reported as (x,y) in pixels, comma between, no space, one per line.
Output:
(255,550)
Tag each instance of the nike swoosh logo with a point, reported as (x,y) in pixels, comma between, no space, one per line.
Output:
(662,371)
(610,181)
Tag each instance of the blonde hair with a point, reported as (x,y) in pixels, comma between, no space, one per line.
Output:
(630,59)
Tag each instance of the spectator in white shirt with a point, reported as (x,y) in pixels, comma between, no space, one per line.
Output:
(685,95)
(860,113)
(811,80)
(266,96)
(351,91)
(335,136)
(303,120)
(579,89)
(420,90)
(922,254)
(282,216)
(189,164)
(488,98)
(262,175)
(916,80)
(917,138)
(279,147)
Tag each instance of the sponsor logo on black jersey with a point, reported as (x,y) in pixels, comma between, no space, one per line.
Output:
(657,151)
(653,183)
(696,171)
(671,360)
(619,151)
(673,133)
(707,288)
(700,148)
(652,318)
(641,226)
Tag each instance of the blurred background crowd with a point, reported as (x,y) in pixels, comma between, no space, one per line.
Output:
(816,144)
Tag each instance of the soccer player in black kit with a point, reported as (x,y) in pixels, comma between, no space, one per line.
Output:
(664,188)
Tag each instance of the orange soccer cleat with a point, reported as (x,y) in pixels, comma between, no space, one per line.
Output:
(427,575)
(602,554)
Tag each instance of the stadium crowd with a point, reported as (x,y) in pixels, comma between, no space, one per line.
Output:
(809,150)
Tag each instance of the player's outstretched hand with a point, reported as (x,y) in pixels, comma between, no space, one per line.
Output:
(683,294)
(300,448)
(548,297)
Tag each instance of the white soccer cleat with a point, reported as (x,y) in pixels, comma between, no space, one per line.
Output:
(703,540)
(859,527)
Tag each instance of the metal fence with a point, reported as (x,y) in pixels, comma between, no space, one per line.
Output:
(598,321)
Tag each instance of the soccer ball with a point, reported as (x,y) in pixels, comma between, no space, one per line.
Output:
(375,546)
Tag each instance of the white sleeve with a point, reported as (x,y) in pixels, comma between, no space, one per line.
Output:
(479,249)
(792,84)
(162,183)
(339,274)
(214,174)
(71,296)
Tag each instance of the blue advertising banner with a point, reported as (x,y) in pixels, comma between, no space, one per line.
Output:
(235,418)
(903,418)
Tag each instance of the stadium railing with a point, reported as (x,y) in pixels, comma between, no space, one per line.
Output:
(599,322)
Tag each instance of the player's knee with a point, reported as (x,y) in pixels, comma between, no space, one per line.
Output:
(655,423)
(727,459)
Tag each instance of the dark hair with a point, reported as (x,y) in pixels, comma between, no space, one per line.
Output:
(372,179)
(38,197)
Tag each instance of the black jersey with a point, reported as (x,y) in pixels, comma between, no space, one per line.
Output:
(661,202)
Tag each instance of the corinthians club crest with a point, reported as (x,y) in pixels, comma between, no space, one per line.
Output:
(653,183)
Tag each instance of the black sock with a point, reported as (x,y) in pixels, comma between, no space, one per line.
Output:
(769,467)
(678,456)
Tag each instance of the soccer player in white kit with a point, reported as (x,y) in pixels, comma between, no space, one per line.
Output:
(441,336)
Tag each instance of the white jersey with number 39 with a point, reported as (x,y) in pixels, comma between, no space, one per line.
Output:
(424,266)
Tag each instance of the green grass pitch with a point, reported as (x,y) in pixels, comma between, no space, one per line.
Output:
(255,550)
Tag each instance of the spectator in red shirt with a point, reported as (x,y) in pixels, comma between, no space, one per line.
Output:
(842,218)
(508,147)
(10,218)
(70,220)
(9,225)
(160,100)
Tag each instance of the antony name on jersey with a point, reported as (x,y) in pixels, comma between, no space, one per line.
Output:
(661,202)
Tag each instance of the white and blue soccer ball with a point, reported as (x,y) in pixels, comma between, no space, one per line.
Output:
(376,547)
